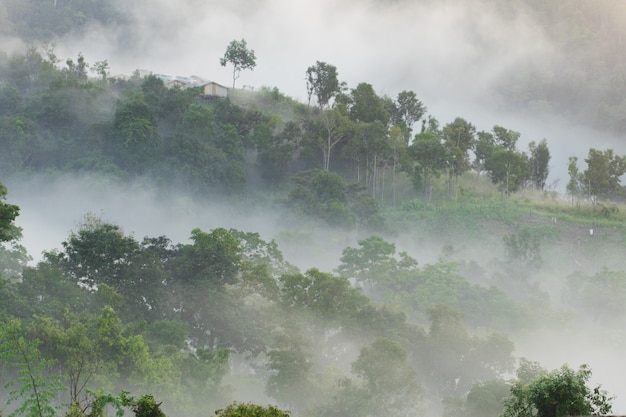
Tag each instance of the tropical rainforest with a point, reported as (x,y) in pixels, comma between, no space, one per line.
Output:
(437,260)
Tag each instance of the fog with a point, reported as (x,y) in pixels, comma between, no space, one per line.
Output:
(51,208)
(453,54)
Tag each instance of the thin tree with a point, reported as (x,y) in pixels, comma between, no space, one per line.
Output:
(241,58)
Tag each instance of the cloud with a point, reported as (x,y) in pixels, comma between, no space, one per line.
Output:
(436,48)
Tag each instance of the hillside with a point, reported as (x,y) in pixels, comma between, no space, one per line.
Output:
(348,254)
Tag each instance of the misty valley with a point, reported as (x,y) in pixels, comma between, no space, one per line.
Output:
(173,246)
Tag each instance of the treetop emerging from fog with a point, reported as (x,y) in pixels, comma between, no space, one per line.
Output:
(239,56)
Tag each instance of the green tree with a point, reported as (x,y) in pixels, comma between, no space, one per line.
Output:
(389,381)
(290,364)
(97,252)
(539,163)
(251,410)
(75,351)
(326,296)
(47,290)
(366,106)
(484,399)
(452,360)
(509,169)
(14,258)
(145,406)
(458,140)
(505,138)
(561,392)
(321,194)
(213,259)
(276,156)
(484,147)
(239,56)
(398,154)
(332,129)
(37,388)
(212,268)
(375,261)
(322,82)
(370,149)
(407,111)
(575,178)
(598,296)
(8,213)
(601,179)
(524,249)
(202,373)
(135,142)
(428,156)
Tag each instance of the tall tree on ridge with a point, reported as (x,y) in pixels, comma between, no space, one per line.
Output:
(322,82)
(539,160)
(241,58)
(408,110)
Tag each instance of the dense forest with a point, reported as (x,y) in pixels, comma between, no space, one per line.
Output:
(445,253)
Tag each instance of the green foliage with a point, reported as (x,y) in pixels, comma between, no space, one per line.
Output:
(48,291)
(458,139)
(524,247)
(214,258)
(601,179)
(168,318)
(145,406)
(164,334)
(401,282)
(251,410)
(599,296)
(8,213)
(387,384)
(454,360)
(574,184)
(239,56)
(97,252)
(484,399)
(375,262)
(290,364)
(325,196)
(206,368)
(427,154)
(539,160)
(101,254)
(326,296)
(322,81)
(135,141)
(509,169)
(36,389)
(561,392)
(321,194)
(99,401)
(407,111)
(366,106)
(14,258)
(384,369)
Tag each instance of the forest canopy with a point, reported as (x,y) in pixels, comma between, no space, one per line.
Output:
(442,247)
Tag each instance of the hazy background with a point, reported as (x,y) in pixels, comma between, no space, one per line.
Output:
(453,54)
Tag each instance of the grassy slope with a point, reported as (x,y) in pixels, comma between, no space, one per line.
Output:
(474,222)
